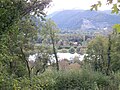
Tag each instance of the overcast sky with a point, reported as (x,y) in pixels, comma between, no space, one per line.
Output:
(58,5)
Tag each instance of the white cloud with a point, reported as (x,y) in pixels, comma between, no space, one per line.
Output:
(75,4)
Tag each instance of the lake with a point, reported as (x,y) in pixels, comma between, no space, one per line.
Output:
(61,56)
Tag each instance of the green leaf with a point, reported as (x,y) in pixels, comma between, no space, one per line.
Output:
(96,8)
(117,28)
(99,3)
(109,1)
(115,9)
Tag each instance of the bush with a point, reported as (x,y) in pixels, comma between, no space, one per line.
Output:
(78,50)
(63,51)
(84,79)
(72,50)
(81,80)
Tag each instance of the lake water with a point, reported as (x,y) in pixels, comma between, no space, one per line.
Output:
(61,56)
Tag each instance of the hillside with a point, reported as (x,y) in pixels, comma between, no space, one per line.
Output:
(84,19)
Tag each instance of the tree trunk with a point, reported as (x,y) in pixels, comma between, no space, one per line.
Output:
(109,55)
(55,53)
(26,61)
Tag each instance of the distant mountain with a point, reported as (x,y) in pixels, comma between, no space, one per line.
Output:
(84,19)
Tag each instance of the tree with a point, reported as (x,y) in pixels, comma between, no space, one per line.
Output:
(13,10)
(115,53)
(104,56)
(27,37)
(72,50)
(11,14)
(9,52)
(116,56)
(42,58)
(78,50)
(97,53)
(49,33)
(17,44)
(116,28)
(109,54)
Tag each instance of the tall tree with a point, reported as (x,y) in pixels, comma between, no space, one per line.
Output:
(97,53)
(50,31)
(26,40)
(18,43)
(13,10)
(115,48)
(109,55)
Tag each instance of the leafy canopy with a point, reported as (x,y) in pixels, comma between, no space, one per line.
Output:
(13,10)
(115,7)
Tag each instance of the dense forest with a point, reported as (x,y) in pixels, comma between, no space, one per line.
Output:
(21,36)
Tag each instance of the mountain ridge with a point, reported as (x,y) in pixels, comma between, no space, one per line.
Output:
(84,19)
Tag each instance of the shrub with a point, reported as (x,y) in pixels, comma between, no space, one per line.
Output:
(72,50)
(63,51)
(83,79)
(78,50)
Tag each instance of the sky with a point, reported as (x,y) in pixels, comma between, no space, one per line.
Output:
(58,5)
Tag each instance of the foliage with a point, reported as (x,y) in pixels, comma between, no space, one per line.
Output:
(8,56)
(9,12)
(76,60)
(13,10)
(99,57)
(95,6)
(42,59)
(115,7)
(117,28)
(54,80)
(63,51)
(115,52)
(18,41)
(49,34)
(78,50)
(69,80)
(97,53)
(17,34)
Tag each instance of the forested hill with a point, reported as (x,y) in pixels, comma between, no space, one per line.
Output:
(84,19)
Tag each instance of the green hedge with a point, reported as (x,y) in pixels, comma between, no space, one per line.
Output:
(83,79)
